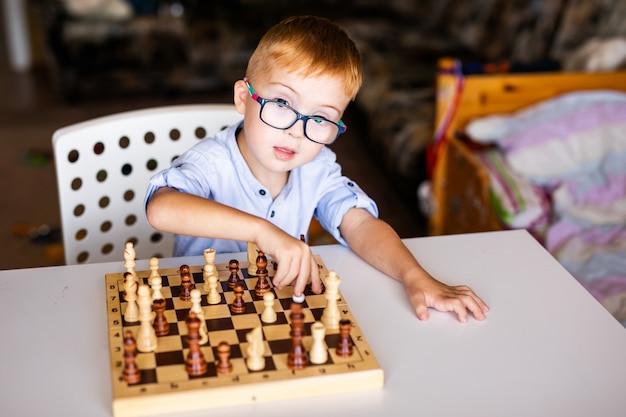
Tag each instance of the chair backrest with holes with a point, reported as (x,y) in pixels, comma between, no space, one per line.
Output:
(103,167)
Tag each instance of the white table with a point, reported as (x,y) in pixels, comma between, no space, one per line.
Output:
(547,347)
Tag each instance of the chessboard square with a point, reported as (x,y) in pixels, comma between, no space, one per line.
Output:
(172,373)
(145,360)
(180,304)
(169,358)
(182,313)
(173,281)
(229,336)
(216,311)
(207,352)
(277,332)
(167,293)
(148,376)
(279,346)
(239,365)
(355,357)
(281,318)
(246,321)
(316,301)
(165,281)
(168,343)
(280,361)
(198,278)
(220,324)
(284,293)
(170,316)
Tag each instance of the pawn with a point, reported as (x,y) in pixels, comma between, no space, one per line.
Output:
(213,296)
(196,297)
(296,359)
(238,306)
(131,372)
(157,283)
(233,267)
(161,326)
(319,350)
(268,315)
(262,284)
(195,365)
(186,283)
(154,269)
(224,366)
(131,314)
(344,348)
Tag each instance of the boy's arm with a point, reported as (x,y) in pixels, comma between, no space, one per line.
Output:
(173,211)
(377,243)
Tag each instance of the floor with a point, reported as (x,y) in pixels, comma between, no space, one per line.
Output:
(31,110)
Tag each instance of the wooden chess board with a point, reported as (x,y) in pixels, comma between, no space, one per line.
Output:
(165,386)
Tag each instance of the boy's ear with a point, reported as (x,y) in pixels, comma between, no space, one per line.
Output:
(240,95)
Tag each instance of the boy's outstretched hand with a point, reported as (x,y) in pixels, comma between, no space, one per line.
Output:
(459,299)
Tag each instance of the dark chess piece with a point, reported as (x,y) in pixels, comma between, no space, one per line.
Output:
(233,267)
(344,348)
(186,283)
(263,283)
(131,371)
(238,306)
(296,359)
(224,366)
(161,326)
(195,365)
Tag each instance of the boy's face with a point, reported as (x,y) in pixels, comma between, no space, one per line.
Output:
(268,150)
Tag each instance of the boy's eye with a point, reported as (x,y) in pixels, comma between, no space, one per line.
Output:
(281,102)
(318,120)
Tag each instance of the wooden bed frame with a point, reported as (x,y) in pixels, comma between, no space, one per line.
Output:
(460,185)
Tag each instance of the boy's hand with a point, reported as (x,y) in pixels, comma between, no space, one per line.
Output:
(431,293)
(296,265)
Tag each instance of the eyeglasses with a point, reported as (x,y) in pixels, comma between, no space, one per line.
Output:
(279,115)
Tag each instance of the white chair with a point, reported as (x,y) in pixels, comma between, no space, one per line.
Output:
(103,167)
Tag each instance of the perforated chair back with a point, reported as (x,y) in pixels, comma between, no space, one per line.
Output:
(103,167)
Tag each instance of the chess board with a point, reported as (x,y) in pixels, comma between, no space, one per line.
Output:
(165,386)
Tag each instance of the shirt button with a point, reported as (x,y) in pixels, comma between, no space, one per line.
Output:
(262,192)
(272,213)
(350,183)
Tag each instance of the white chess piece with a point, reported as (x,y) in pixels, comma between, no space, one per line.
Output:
(157,284)
(330,316)
(154,270)
(318,353)
(146,336)
(209,260)
(253,252)
(129,258)
(196,297)
(255,350)
(211,279)
(131,314)
(268,315)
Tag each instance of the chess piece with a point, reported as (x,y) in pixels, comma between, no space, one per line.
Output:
(233,267)
(262,285)
(154,271)
(255,349)
(268,315)
(146,336)
(211,279)
(296,359)
(129,258)
(156,283)
(161,326)
(209,268)
(344,348)
(195,365)
(224,366)
(330,316)
(318,354)
(186,283)
(196,308)
(238,306)
(252,255)
(131,372)
(131,314)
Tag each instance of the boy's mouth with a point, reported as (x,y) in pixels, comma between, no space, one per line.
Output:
(284,154)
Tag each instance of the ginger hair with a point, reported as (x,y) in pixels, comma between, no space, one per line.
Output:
(311,46)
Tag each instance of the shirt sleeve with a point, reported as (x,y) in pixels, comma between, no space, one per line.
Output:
(340,195)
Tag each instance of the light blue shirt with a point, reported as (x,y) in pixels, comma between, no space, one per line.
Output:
(215,169)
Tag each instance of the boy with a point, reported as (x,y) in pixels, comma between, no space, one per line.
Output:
(261,180)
